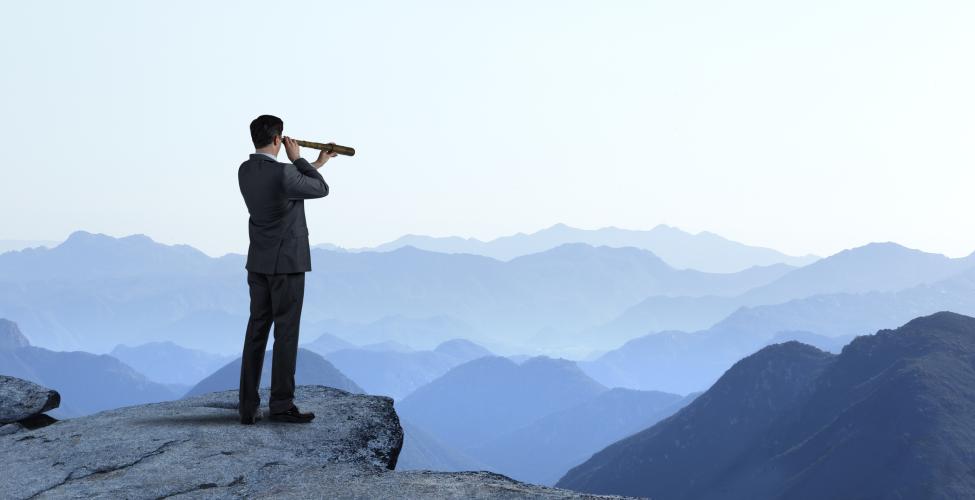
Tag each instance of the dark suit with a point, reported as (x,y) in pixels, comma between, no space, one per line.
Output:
(277,258)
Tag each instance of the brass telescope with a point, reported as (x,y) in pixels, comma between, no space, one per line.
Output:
(328,148)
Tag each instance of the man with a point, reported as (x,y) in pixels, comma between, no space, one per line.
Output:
(277,259)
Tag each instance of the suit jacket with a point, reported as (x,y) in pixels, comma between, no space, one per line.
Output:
(274,193)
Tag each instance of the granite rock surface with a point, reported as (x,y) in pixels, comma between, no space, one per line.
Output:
(196,448)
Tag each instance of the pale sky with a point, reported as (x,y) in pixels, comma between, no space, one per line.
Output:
(808,127)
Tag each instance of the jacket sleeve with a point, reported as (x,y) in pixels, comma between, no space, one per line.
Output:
(302,181)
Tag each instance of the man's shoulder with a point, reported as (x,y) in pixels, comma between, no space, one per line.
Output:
(261,172)
(256,163)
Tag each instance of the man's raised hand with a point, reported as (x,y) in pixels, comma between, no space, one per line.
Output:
(291,149)
(323,157)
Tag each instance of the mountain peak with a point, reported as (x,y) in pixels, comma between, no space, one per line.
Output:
(10,336)
(793,422)
(462,349)
(883,248)
(80,238)
(773,374)
(664,228)
(946,320)
(943,331)
(559,226)
(548,362)
(312,369)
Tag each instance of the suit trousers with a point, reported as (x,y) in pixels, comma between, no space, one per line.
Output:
(277,299)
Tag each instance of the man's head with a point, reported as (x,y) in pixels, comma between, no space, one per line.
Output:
(266,133)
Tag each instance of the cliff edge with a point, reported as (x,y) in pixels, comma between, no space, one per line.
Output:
(196,448)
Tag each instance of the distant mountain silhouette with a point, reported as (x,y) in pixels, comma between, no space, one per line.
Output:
(542,451)
(95,292)
(661,313)
(326,343)
(11,245)
(821,342)
(168,363)
(703,251)
(462,350)
(396,373)
(564,288)
(889,417)
(86,255)
(423,333)
(88,383)
(409,331)
(387,346)
(683,362)
(219,330)
(311,369)
(10,336)
(488,397)
(877,267)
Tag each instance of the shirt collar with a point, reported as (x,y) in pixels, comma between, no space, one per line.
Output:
(266,154)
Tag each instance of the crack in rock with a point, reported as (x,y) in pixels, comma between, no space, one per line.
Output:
(203,486)
(111,468)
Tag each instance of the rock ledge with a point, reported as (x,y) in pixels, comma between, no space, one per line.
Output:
(196,448)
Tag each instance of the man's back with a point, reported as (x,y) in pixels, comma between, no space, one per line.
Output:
(277,259)
(273,192)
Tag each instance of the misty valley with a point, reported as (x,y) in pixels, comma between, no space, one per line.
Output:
(655,363)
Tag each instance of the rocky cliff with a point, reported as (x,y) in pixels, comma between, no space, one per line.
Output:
(196,448)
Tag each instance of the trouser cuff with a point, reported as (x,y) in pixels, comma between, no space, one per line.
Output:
(280,406)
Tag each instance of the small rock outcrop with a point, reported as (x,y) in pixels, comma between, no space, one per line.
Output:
(196,447)
(23,403)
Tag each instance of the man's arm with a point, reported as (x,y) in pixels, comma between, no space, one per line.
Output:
(302,181)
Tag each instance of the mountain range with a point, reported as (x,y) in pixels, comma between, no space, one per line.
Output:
(564,300)
(310,369)
(169,363)
(94,292)
(685,362)
(396,373)
(88,382)
(531,421)
(415,332)
(9,245)
(877,267)
(889,417)
(703,251)
(484,399)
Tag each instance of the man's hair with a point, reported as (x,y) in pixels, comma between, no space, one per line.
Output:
(264,128)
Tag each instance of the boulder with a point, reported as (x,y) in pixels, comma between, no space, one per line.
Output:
(197,448)
(21,399)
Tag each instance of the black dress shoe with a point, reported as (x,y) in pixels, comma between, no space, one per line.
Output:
(252,418)
(293,415)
